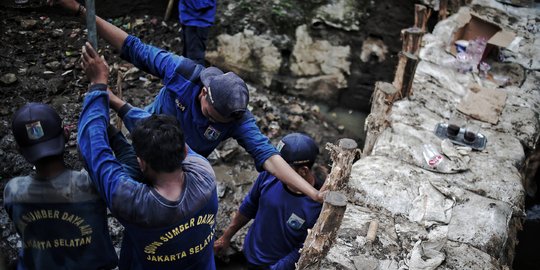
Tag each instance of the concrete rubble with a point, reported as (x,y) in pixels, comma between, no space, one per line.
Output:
(433,220)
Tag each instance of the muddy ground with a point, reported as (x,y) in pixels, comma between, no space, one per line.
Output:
(39,62)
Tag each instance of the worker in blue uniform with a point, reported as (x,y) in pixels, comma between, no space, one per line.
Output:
(57,211)
(170,221)
(196,18)
(210,105)
(282,215)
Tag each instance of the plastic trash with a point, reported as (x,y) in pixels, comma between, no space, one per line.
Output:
(432,157)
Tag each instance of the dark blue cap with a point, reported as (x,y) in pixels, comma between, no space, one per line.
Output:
(298,149)
(227,92)
(38,131)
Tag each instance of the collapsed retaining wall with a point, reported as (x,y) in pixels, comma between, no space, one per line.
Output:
(464,220)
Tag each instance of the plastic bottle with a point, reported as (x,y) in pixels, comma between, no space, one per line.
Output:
(463,62)
(432,157)
(476,50)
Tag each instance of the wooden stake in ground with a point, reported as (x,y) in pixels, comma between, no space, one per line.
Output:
(421,16)
(168,10)
(412,40)
(405,74)
(376,121)
(342,157)
(323,234)
(91,23)
(443,9)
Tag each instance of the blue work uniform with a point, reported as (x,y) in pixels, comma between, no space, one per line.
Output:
(196,17)
(159,233)
(62,222)
(282,219)
(200,13)
(179,98)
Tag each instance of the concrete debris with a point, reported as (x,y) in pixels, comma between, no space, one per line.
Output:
(8,78)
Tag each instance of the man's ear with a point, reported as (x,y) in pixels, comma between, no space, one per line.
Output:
(203,92)
(306,173)
(142,164)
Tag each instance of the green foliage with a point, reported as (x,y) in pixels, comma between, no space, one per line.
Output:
(280,9)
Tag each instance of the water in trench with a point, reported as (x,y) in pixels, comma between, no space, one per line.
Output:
(350,120)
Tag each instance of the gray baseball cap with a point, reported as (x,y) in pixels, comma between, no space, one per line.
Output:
(227,92)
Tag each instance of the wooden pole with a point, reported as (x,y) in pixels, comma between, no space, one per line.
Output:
(412,40)
(168,10)
(421,16)
(91,23)
(119,90)
(321,238)
(323,234)
(342,157)
(376,122)
(443,9)
(405,74)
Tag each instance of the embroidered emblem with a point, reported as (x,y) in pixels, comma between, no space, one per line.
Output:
(295,222)
(280,146)
(179,105)
(34,130)
(211,133)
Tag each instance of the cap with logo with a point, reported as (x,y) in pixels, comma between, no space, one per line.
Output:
(227,92)
(38,131)
(298,149)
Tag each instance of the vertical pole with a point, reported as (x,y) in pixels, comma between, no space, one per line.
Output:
(168,10)
(443,9)
(91,23)
(421,16)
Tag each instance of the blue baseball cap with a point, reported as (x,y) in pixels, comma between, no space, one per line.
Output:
(298,149)
(38,131)
(227,92)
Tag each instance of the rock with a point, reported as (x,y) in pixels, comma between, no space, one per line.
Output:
(295,109)
(28,24)
(57,33)
(311,58)
(229,150)
(8,78)
(295,121)
(341,14)
(251,56)
(54,65)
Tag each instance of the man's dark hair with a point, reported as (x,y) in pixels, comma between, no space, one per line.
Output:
(159,141)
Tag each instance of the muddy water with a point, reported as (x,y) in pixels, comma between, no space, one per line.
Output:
(351,120)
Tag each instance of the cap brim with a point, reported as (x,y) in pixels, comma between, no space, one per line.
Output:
(208,73)
(52,147)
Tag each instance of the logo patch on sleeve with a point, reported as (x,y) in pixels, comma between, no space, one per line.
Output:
(295,222)
(34,130)
(211,133)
